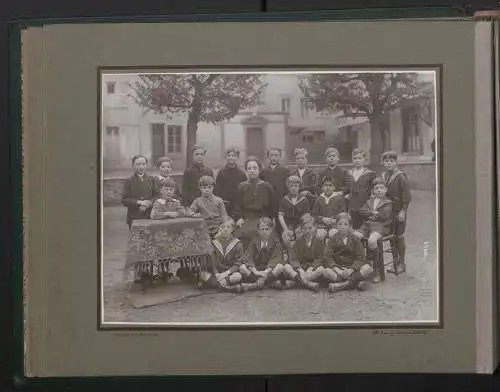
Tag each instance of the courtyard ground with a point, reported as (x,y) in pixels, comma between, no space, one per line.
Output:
(408,297)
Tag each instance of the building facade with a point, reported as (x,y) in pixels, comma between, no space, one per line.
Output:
(281,119)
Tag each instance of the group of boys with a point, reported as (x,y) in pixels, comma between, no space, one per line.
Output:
(344,208)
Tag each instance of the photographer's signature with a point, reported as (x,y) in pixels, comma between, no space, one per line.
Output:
(387,332)
(135,334)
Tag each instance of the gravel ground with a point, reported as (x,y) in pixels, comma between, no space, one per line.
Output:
(409,297)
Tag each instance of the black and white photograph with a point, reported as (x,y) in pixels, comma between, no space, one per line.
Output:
(261,198)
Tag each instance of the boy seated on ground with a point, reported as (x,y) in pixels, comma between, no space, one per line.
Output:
(306,254)
(225,261)
(263,254)
(327,206)
(167,206)
(209,206)
(377,221)
(345,256)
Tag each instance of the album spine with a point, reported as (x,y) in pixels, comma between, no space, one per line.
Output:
(496,231)
(23,42)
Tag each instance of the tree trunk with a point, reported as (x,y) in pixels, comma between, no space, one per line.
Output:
(192,128)
(376,140)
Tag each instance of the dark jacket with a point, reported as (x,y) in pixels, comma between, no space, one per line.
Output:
(190,183)
(135,189)
(340,177)
(303,256)
(268,257)
(398,190)
(227,181)
(277,178)
(377,219)
(308,181)
(360,190)
(350,254)
(323,209)
(293,212)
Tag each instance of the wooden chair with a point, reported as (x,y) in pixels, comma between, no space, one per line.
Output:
(386,245)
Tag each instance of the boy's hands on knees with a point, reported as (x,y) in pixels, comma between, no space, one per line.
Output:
(401,216)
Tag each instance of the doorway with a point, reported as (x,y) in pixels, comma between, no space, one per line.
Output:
(255,142)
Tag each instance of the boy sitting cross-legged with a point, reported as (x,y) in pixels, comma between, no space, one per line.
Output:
(263,254)
(345,256)
(306,254)
(225,261)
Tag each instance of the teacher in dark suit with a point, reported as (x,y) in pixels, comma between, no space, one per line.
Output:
(139,191)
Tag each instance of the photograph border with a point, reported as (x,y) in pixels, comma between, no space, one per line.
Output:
(303,68)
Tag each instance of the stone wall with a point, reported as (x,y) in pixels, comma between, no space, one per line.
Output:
(422,176)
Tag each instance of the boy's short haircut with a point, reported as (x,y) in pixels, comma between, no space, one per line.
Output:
(327,179)
(344,216)
(253,159)
(378,181)
(138,156)
(358,151)
(231,221)
(293,180)
(300,151)
(265,221)
(305,219)
(206,180)
(234,150)
(163,159)
(331,150)
(274,149)
(198,147)
(389,155)
(167,183)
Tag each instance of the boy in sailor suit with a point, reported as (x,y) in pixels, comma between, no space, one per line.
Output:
(326,208)
(398,191)
(360,187)
(225,261)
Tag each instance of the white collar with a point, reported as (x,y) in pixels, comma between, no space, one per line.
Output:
(229,247)
(328,198)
